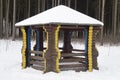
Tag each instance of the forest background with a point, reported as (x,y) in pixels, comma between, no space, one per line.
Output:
(107,11)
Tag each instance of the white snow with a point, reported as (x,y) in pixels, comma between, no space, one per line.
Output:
(10,65)
(60,15)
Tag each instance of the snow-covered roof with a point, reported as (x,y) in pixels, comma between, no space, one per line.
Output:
(60,15)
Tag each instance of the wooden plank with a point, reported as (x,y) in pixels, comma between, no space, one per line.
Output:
(78,58)
(41,63)
(74,49)
(76,28)
(36,52)
(73,60)
(72,54)
(36,57)
(77,69)
(37,67)
(78,50)
(71,65)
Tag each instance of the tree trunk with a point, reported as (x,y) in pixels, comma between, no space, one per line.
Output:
(28,8)
(7,18)
(118,18)
(43,5)
(114,18)
(14,19)
(102,19)
(69,3)
(58,2)
(99,9)
(38,6)
(1,18)
(75,4)
(55,2)
(87,6)
(52,3)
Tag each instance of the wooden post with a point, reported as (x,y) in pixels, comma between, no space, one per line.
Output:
(90,63)
(52,53)
(67,47)
(23,51)
(86,45)
(94,51)
(41,38)
(28,46)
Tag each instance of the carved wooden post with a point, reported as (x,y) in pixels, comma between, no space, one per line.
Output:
(52,53)
(90,36)
(67,47)
(39,39)
(94,51)
(28,45)
(23,51)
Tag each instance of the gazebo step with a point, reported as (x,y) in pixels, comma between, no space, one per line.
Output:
(36,57)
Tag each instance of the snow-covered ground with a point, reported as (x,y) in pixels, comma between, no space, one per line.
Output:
(10,65)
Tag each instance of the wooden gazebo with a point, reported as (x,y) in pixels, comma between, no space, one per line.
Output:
(52,57)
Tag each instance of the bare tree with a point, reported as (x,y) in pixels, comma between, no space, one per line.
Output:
(7,17)
(14,19)
(99,9)
(43,5)
(87,5)
(1,18)
(53,3)
(118,18)
(102,19)
(75,4)
(59,2)
(69,3)
(38,6)
(114,18)
(28,8)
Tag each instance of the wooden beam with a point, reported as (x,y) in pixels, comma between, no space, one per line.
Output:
(73,60)
(41,63)
(37,67)
(36,52)
(77,69)
(36,57)
(72,65)
(72,54)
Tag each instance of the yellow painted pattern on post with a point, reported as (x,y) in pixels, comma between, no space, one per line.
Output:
(45,49)
(23,48)
(57,49)
(90,68)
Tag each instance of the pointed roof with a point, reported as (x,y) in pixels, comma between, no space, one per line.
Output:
(60,15)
